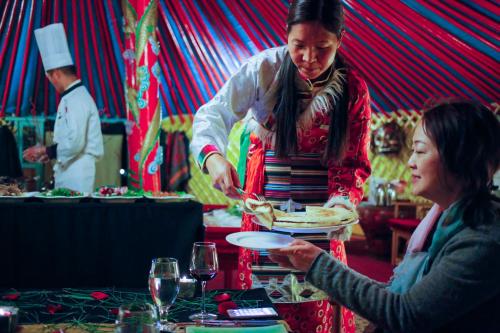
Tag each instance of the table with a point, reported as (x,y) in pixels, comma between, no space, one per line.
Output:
(93,244)
(77,308)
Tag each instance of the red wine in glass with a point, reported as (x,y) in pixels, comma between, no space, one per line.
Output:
(203,267)
(203,274)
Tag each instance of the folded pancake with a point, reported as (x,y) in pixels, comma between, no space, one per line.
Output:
(263,210)
(313,217)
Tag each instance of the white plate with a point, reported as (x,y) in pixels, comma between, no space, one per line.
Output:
(178,198)
(24,195)
(304,230)
(256,240)
(115,198)
(60,198)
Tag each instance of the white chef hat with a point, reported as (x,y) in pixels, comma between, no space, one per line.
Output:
(53,46)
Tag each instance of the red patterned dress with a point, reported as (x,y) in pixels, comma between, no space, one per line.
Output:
(304,179)
(250,94)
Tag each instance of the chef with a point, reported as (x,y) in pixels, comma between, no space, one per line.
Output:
(77,129)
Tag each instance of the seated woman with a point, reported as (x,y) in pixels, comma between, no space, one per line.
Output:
(449,280)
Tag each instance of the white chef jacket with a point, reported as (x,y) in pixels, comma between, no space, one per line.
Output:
(77,132)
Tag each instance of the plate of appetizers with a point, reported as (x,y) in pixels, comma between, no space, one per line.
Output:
(61,194)
(168,196)
(17,197)
(114,194)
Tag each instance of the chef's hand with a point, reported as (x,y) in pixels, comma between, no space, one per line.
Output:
(224,175)
(44,159)
(299,255)
(34,153)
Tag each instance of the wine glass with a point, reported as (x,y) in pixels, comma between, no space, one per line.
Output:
(164,287)
(203,267)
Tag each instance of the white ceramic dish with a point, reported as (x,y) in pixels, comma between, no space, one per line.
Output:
(305,230)
(179,198)
(115,198)
(257,240)
(60,198)
(17,198)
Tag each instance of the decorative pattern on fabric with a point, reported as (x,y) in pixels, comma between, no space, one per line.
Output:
(205,152)
(316,101)
(255,183)
(321,99)
(94,310)
(300,178)
(175,172)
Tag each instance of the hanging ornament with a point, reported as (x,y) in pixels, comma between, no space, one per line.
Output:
(388,139)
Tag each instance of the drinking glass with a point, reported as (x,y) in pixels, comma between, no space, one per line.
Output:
(136,318)
(164,287)
(203,267)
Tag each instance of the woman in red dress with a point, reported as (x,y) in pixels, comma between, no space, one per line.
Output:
(308,115)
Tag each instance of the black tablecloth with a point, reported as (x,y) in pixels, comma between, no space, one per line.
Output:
(91,244)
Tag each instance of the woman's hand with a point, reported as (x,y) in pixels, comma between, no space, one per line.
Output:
(299,255)
(224,175)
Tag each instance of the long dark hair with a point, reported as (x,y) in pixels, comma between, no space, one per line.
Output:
(330,14)
(466,135)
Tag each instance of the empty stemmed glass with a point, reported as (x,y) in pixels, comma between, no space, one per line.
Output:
(203,267)
(164,287)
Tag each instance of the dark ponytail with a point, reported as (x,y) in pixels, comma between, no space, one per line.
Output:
(286,110)
(339,125)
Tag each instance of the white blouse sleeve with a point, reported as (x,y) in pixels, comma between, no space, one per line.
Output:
(214,120)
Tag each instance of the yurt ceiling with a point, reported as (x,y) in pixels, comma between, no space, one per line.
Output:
(408,51)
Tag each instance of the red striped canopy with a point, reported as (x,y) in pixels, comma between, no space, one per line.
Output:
(408,51)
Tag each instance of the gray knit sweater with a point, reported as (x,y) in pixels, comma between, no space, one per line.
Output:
(460,293)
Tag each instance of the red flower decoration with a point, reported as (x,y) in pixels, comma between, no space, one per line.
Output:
(99,295)
(114,311)
(11,297)
(222,297)
(224,306)
(54,308)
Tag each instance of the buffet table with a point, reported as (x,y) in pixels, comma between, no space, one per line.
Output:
(91,243)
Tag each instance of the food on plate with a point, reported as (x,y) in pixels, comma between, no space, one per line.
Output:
(313,217)
(61,192)
(263,210)
(10,190)
(123,191)
(158,194)
(316,217)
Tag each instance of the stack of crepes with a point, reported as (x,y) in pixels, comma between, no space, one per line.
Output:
(313,217)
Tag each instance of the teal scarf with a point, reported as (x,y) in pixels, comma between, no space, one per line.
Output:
(415,265)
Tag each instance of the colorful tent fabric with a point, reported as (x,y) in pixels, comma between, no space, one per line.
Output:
(408,51)
(94,34)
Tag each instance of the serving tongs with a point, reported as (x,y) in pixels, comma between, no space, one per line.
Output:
(245,196)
